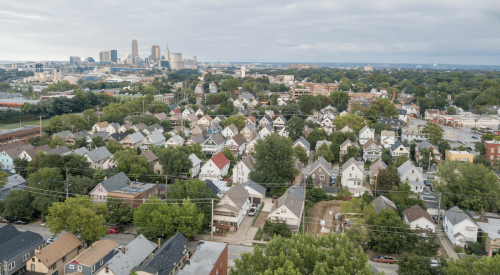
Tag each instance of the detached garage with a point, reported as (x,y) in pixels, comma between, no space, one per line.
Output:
(257,191)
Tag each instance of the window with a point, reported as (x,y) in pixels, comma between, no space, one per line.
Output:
(491,157)
(426,226)
(55,273)
(26,256)
(12,265)
(493,150)
(64,258)
(458,158)
(79,268)
(413,171)
(53,266)
(352,169)
(71,266)
(33,259)
(107,270)
(466,159)
(92,268)
(322,177)
(313,176)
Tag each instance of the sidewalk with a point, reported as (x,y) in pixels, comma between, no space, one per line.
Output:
(448,247)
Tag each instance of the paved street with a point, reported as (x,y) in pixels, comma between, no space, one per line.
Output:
(386,268)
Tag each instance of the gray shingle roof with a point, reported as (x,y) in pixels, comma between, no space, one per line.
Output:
(303,141)
(62,135)
(198,139)
(405,167)
(255,186)
(217,138)
(238,194)
(396,145)
(210,185)
(323,163)
(136,137)
(289,200)
(426,144)
(382,202)
(297,191)
(168,255)
(194,160)
(115,182)
(456,216)
(349,162)
(8,232)
(320,142)
(18,244)
(58,151)
(135,253)
(99,154)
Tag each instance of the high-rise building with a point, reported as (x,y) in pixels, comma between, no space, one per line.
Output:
(176,58)
(106,56)
(195,60)
(155,53)
(74,59)
(167,54)
(114,56)
(101,57)
(135,49)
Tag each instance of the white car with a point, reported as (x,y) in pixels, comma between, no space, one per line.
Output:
(252,211)
(51,240)
(434,263)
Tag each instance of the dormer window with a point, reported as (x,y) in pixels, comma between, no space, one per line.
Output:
(413,171)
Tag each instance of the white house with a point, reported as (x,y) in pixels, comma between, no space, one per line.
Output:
(352,174)
(230,131)
(155,138)
(283,132)
(403,115)
(387,138)
(279,122)
(196,162)
(399,149)
(174,141)
(372,150)
(257,192)
(242,169)
(113,128)
(236,144)
(365,134)
(418,218)
(213,144)
(100,127)
(412,134)
(289,207)
(459,227)
(266,120)
(266,131)
(215,168)
(303,143)
(232,207)
(99,158)
(250,147)
(413,175)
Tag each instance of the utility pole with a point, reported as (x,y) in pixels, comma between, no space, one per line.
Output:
(304,214)
(67,183)
(142,107)
(166,183)
(40,125)
(428,170)
(212,223)
(98,116)
(439,210)
(376,180)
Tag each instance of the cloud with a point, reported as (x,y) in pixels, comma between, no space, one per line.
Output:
(462,32)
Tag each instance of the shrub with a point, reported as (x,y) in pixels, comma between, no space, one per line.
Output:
(458,249)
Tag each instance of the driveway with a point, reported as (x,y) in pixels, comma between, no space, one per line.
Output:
(386,268)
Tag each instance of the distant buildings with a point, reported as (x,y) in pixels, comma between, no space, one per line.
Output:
(74,59)
(135,49)
(155,53)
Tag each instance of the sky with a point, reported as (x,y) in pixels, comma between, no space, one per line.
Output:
(391,31)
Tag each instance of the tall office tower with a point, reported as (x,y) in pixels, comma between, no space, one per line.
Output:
(74,59)
(114,56)
(57,75)
(167,54)
(175,59)
(135,49)
(195,60)
(101,57)
(155,53)
(106,56)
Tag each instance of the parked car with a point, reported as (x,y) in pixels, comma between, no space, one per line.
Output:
(427,183)
(113,230)
(384,259)
(20,222)
(435,219)
(463,142)
(474,137)
(469,148)
(434,263)
(51,240)
(42,224)
(4,221)
(252,211)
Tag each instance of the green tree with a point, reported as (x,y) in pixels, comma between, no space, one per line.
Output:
(80,216)
(97,142)
(17,205)
(308,255)
(341,99)
(316,135)
(175,160)
(114,146)
(277,227)
(238,121)
(401,160)
(295,127)
(360,214)
(451,110)
(411,264)
(433,132)
(156,217)
(426,155)
(473,265)
(468,185)
(388,178)
(3,178)
(352,152)
(307,103)
(420,91)
(301,154)
(274,160)
(354,122)
(119,212)
(232,160)
(390,234)
(129,162)
(324,151)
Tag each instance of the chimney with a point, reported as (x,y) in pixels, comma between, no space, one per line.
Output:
(159,243)
(186,256)
(276,203)
(139,185)
(123,249)
(19,172)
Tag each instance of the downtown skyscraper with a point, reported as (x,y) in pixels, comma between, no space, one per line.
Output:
(135,49)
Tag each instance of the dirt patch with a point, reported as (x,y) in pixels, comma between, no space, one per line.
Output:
(261,219)
(321,211)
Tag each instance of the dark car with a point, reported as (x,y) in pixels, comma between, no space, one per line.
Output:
(474,137)
(435,219)
(469,148)
(20,222)
(427,183)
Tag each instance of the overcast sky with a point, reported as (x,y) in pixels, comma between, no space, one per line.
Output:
(392,31)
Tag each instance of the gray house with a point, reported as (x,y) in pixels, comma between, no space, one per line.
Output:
(320,172)
(16,248)
(92,259)
(14,182)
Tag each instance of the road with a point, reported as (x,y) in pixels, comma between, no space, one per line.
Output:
(386,268)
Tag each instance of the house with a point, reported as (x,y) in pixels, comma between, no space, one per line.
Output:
(174,141)
(374,169)
(124,128)
(52,258)
(155,138)
(100,127)
(320,172)
(257,192)
(283,132)
(176,119)
(250,120)
(387,138)
(250,147)
(431,114)
(267,131)
(352,174)
(215,168)
(346,128)
(61,135)
(99,158)
(213,144)
(304,144)
(345,146)
(279,122)
(139,127)
(16,248)
(92,259)
(100,193)
(214,129)
(161,116)
(199,130)
(133,140)
(232,208)
(418,218)
(459,227)
(403,114)
(153,129)
(427,145)
(321,142)
(59,150)
(365,134)
(399,149)
(113,128)
(151,157)
(242,169)
(382,202)
(289,207)
(199,113)
(176,111)
(187,112)
(8,156)
(195,139)
(208,258)
(372,150)
(266,120)
(205,121)
(30,154)
(249,132)
(236,144)
(219,119)
(195,165)
(214,188)
(230,131)
(327,122)
(413,175)
(458,155)
(411,134)
(117,136)
(490,226)
(14,182)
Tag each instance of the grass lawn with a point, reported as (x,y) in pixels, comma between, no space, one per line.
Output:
(35,122)
(258,213)
(260,245)
(258,235)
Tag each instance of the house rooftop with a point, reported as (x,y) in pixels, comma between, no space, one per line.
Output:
(95,252)
(204,258)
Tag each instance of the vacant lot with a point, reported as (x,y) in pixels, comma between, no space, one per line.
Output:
(35,122)
(320,211)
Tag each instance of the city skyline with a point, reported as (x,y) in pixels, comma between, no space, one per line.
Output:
(315,31)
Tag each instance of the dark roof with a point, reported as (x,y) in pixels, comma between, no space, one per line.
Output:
(212,186)
(58,151)
(118,136)
(99,154)
(8,232)
(168,255)
(456,216)
(19,244)
(116,182)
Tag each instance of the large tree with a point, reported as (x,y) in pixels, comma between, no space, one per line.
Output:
(354,122)
(295,127)
(473,265)
(18,205)
(389,234)
(175,160)
(433,132)
(324,151)
(119,212)
(341,99)
(401,160)
(468,186)
(129,162)
(331,254)
(387,179)
(307,103)
(80,216)
(360,214)
(301,154)
(274,160)
(316,135)
(238,121)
